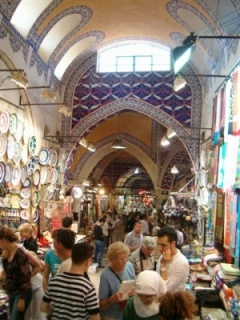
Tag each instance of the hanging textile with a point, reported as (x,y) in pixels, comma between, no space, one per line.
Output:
(215,164)
(237,251)
(233,223)
(217,106)
(221,165)
(237,176)
(234,123)
(219,223)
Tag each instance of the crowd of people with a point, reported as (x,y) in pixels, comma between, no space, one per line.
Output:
(145,274)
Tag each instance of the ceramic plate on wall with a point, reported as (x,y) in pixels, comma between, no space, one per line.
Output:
(9,172)
(53,158)
(17,153)
(54,176)
(2,172)
(13,123)
(25,203)
(44,156)
(3,145)
(25,215)
(35,199)
(11,147)
(19,132)
(32,145)
(26,183)
(4,121)
(43,175)
(24,174)
(16,176)
(25,193)
(36,177)
(24,154)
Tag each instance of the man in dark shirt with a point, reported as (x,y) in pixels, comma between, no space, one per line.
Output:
(99,242)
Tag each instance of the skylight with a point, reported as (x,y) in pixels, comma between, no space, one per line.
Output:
(135,56)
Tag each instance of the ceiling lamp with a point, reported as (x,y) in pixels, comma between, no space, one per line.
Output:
(182,54)
(136,171)
(179,83)
(164,141)
(170,133)
(118,144)
(66,111)
(91,147)
(83,142)
(86,183)
(174,170)
(20,78)
(49,95)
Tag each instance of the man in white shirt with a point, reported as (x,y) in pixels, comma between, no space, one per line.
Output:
(172,264)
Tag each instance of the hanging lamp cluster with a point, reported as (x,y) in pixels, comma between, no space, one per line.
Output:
(88,145)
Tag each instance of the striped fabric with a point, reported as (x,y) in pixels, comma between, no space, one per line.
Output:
(72,297)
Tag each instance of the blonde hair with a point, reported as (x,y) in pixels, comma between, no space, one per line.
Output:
(26,227)
(117,248)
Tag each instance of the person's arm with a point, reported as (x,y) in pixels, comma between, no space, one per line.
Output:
(46,307)
(46,274)
(36,264)
(94,317)
(115,298)
(127,241)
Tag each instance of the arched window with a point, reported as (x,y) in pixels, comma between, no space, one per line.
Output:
(130,56)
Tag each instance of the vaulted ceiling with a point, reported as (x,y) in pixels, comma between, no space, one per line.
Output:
(64,36)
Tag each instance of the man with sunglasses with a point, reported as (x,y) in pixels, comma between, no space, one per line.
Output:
(172,265)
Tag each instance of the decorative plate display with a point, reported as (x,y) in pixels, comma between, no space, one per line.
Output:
(4,121)
(19,132)
(54,176)
(26,134)
(43,175)
(15,201)
(8,172)
(77,192)
(16,176)
(36,177)
(13,123)
(24,174)
(35,199)
(25,203)
(44,156)
(53,158)
(25,193)
(32,145)
(3,145)
(25,215)
(2,171)
(24,154)
(26,183)
(32,165)
(17,153)
(11,147)
(35,216)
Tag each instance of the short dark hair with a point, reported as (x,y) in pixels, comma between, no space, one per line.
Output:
(67,222)
(81,252)
(66,237)
(169,232)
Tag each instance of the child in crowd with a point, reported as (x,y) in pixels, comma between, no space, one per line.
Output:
(179,305)
(144,304)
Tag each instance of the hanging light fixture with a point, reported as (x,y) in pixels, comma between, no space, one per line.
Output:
(170,133)
(20,78)
(49,95)
(91,147)
(179,83)
(136,171)
(66,111)
(118,144)
(174,170)
(83,142)
(164,141)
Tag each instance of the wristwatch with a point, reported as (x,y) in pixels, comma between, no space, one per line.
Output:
(163,269)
